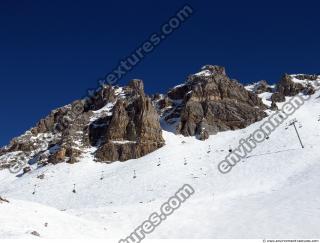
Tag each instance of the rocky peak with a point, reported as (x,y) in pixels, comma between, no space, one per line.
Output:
(120,123)
(137,85)
(132,130)
(209,102)
(212,70)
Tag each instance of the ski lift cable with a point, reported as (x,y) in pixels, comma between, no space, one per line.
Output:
(275,152)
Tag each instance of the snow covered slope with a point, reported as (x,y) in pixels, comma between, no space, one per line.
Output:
(26,219)
(274,193)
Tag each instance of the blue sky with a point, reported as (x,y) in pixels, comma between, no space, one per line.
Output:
(51,52)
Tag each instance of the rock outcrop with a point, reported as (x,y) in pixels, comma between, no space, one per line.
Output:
(133,130)
(262,86)
(64,129)
(278,97)
(121,123)
(291,85)
(209,102)
(288,87)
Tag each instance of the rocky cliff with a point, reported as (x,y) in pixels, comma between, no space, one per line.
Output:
(133,129)
(209,102)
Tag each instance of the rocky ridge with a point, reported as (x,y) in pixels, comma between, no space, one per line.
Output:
(117,123)
(122,123)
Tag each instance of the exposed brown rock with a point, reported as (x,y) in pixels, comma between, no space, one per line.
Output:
(110,151)
(208,102)
(164,103)
(178,92)
(277,97)
(73,154)
(309,90)
(262,86)
(311,77)
(132,131)
(204,135)
(287,87)
(274,106)
(26,169)
(137,86)
(216,103)
(58,157)
(99,98)
(214,69)
(61,154)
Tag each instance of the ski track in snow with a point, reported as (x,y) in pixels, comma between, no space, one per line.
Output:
(274,193)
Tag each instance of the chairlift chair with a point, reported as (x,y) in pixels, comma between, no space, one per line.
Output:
(185,161)
(34,190)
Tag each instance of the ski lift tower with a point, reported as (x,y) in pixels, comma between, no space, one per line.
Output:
(293,123)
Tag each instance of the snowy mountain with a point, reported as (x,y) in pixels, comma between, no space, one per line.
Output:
(272,193)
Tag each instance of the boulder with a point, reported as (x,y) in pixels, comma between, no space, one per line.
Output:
(26,169)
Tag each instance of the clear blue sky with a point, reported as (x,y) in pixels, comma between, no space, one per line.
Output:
(51,52)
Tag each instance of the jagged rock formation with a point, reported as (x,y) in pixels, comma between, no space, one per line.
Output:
(54,139)
(120,123)
(132,131)
(312,77)
(291,85)
(209,101)
(277,97)
(261,87)
(287,87)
